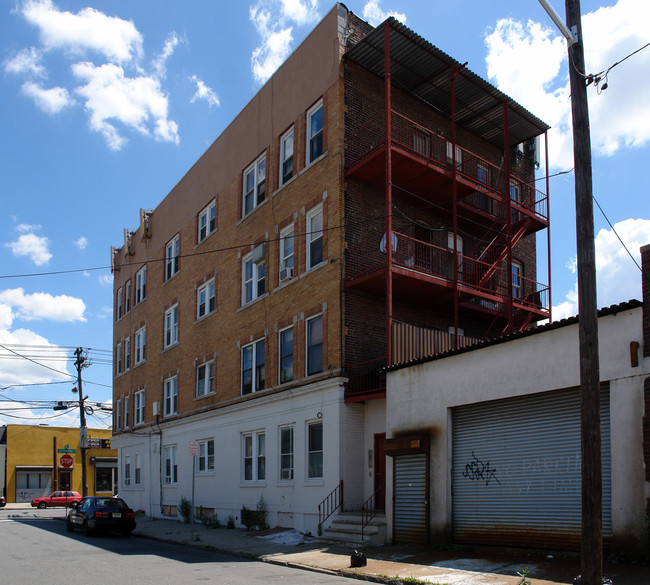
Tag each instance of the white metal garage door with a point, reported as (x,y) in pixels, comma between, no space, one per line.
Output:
(516,476)
(410,499)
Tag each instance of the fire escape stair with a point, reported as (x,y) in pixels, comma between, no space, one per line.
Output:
(346,529)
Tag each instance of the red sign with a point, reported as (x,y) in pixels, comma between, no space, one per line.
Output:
(194,448)
(66,460)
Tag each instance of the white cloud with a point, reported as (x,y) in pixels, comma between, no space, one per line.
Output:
(81,242)
(26,61)
(40,305)
(89,29)
(203,92)
(375,15)
(106,280)
(618,278)
(50,101)
(33,246)
(529,63)
(273,21)
(160,63)
(26,227)
(138,103)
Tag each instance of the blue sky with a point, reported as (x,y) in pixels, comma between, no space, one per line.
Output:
(106,104)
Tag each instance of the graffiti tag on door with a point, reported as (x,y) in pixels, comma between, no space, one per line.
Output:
(477,470)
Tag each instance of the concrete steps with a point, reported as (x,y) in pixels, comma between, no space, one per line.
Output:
(346,529)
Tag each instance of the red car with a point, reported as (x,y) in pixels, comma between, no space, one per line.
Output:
(56,499)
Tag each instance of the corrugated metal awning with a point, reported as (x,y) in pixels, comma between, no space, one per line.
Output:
(33,468)
(422,69)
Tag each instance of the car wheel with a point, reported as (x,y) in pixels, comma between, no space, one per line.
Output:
(70,526)
(42,505)
(87,530)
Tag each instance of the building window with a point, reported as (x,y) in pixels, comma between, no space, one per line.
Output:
(205,299)
(254,184)
(119,303)
(172,253)
(252,368)
(141,285)
(118,359)
(315,237)
(286,157)
(515,198)
(205,459)
(126,412)
(171,468)
(127,353)
(138,408)
(138,469)
(205,379)
(255,456)
(286,453)
(315,451)
(286,253)
(171,326)
(140,340)
(104,479)
(170,390)
(315,345)
(517,273)
(207,221)
(253,276)
(314,132)
(127,470)
(286,355)
(450,153)
(127,297)
(118,414)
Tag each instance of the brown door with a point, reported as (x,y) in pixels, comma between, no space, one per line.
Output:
(380,472)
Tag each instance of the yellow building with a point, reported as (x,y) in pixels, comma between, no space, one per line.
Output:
(33,465)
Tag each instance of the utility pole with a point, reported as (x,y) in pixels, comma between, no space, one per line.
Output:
(592,488)
(83,431)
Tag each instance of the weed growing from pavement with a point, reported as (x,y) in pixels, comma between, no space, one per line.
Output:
(524,576)
(414,581)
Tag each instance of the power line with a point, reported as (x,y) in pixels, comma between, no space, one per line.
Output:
(616,233)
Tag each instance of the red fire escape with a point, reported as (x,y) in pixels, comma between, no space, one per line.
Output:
(410,161)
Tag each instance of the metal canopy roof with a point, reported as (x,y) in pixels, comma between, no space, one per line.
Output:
(424,70)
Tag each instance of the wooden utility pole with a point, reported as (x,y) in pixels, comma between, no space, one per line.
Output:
(83,432)
(591,548)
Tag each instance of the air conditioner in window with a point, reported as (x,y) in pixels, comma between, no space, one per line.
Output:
(286,474)
(156,408)
(286,273)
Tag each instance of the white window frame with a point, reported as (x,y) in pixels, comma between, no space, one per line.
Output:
(315,134)
(118,414)
(459,155)
(172,257)
(517,279)
(254,450)
(119,304)
(171,327)
(253,282)
(286,464)
(205,459)
(138,469)
(310,344)
(282,356)
(170,396)
(206,299)
(127,354)
(287,156)
(127,470)
(127,296)
(140,346)
(170,457)
(256,351)
(126,412)
(287,253)
(313,453)
(315,235)
(256,188)
(140,285)
(138,408)
(205,382)
(118,359)
(207,223)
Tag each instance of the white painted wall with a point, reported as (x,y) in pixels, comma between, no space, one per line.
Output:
(423,396)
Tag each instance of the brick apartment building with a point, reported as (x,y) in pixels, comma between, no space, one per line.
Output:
(375,202)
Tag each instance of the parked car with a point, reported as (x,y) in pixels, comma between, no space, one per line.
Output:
(95,513)
(3,502)
(56,499)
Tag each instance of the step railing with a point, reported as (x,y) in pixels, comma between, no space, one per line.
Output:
(369,510)
(332,502)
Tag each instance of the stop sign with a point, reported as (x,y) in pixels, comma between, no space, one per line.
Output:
(66,460)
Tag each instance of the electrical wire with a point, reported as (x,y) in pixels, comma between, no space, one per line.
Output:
(616,233)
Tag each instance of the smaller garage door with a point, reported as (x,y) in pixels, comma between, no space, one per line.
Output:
(32,482)
(410,499)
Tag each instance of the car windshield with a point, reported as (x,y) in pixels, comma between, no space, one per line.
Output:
(111,503)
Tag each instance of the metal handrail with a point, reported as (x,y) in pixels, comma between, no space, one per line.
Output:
(368,511)
(332,502)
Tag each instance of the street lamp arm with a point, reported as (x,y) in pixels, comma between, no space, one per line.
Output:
(571,35)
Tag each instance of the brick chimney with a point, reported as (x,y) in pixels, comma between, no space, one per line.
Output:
(645,287)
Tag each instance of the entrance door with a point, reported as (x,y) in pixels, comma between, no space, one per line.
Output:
(410,507)
(65,479)
(380,472)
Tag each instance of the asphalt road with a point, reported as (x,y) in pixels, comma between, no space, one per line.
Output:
(35,548)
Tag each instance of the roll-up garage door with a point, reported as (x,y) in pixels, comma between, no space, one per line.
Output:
(516,476)
(410,504)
